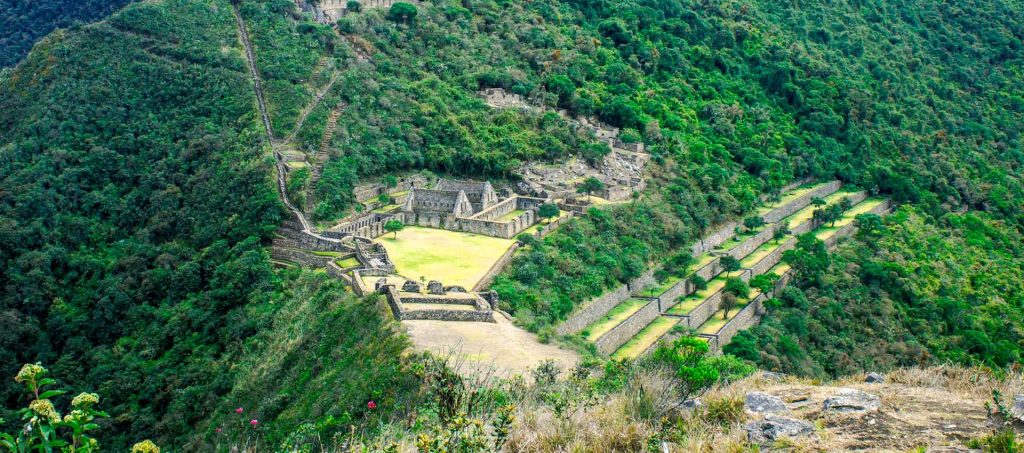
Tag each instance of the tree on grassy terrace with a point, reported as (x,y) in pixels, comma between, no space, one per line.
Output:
(384,199)
(729,264)
(679,264)
(590,185)
(764,282)
(733,291)
(729,302)
(394,226)
(354,6)
(753,222)
(548,211)
(699,283)
(780,233)
(818,201)
(390,181)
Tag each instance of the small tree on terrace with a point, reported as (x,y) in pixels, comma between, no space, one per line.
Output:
(729,264)
(394,226)
(389,181)
(780,233)
(353,6)
(699,283)
(590,185)
(547,211)
(817,201)
(753,222)
(733,291)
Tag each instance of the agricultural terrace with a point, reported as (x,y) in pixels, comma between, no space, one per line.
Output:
(451,257)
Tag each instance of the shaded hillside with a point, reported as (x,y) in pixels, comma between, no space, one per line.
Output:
(23,22)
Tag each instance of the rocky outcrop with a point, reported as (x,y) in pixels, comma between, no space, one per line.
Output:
(848,400)
(874,378)
(774,427)
(764,403)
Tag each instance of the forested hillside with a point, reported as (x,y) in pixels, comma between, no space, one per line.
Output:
(136,195)
(23,22)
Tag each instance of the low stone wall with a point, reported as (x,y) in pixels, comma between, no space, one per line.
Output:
(496,268)
(702,312)
(300,257)
(644,281)
(592,310)
(773,258)
(752,243)
(545,230)
(709,242)
(799,203)
(628,328)
(400,313)
(744,319)
(497,210)
(313,242)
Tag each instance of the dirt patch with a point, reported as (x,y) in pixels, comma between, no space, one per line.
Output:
(501,345)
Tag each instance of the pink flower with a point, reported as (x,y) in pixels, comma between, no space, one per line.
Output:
(219,430)
(238,411)
(254,422)
(371,405)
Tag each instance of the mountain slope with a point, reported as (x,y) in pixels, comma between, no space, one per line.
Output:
(23,22)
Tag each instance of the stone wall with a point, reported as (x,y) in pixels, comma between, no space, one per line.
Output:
(498,209)
(496,268)
(851,227)
(312,242)
(545,230)
(591,311)
(628,328)
(793,206)
(772,258)
(744,319)
(644,281)
(709,242)
(481,314)
(752,243)
(299,256)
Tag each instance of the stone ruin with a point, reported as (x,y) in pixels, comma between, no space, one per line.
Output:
(327,11)
(411,286)
(470,206)
(621,171)
(435,287)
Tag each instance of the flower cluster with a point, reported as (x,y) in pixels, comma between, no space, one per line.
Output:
(44,408)
(146,446)
(84,400)
(29,372)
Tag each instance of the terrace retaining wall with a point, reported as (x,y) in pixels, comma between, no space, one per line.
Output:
(799,203)
(709,242)
(592,311)
(752,243)
(496,268)
(773,258)
(628,328)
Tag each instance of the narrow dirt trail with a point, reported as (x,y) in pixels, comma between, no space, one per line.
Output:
(250,57)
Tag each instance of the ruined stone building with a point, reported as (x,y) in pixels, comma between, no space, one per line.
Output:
(470,206)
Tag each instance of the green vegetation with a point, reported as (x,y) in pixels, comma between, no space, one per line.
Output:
(23,23)
(614,316)
(919,291)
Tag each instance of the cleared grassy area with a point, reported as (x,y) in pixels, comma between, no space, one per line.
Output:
(736,240)
(645,338)
(807,212)
(515,213)
(695,299)
(533,229)
(779,269)
(788,197)
(614,316)
(759,253)
(347,263)
(451,257)
(715,322)
(328,253)
(702,261)
(669,282)
(385,208)
(827,231)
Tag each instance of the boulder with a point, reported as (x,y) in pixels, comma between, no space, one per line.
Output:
(1017,410)
(764,403)
(692,404)
(435,287)
(874,378)
(771,375)
(411,286)
(852,401)
(454,289)
(773,427)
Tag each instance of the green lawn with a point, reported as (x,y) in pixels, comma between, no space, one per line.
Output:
(453,258)
(645,338)
(533,229)
(385,209)
(788,197)
(807,212)
(827,231)
(715,322)
(761,252)
(736,240)
(779,269)
(328,253)
(515,213)
(347,263)
(614,316)
(695,299)
(669,282)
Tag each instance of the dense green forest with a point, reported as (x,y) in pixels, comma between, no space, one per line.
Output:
(23,22)
(136,194)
